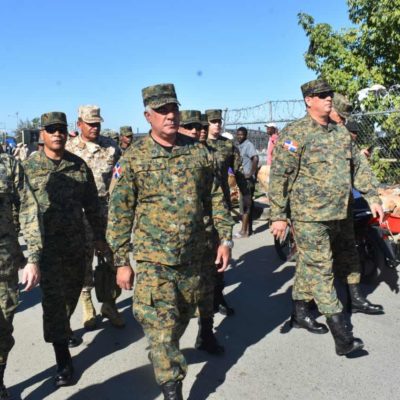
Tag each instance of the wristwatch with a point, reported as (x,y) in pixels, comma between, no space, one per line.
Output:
(227,243)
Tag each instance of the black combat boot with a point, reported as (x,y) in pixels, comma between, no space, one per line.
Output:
(4,395)
(172,390)
(64,365)
(345,342)
(360,304)
(302,318)
(220,304)
(206,339)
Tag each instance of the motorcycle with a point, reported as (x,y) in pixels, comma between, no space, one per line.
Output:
(378,244)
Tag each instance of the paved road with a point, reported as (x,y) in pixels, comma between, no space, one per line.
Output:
(264,358)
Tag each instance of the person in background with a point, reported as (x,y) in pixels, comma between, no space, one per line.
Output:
(249,157)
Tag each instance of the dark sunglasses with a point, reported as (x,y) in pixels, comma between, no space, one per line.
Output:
(323,95)
(215,121)
(192,126)
(56,128)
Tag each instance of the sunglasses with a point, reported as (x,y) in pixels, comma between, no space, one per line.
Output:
(323,95)
(192,126)
(215,121)
(51,129)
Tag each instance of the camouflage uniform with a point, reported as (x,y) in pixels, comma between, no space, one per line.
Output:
(100,158)
(314,168)
(18,210)
(65,193)
(168,195)
(124,131)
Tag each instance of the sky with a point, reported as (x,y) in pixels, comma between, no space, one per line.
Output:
(58,54)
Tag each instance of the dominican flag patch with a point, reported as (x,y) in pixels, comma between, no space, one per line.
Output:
(290,145)
(117,170)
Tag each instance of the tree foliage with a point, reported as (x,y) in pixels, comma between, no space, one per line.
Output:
(357,57)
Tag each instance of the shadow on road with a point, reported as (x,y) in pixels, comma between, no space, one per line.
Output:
(106,342)
(259,310)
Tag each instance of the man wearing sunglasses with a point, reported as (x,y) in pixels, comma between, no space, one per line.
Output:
(65,190)
(190,123)
(312,173)
(101,154)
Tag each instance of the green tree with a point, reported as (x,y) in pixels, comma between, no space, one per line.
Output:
(357,57)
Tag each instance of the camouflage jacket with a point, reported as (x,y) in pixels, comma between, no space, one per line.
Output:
(314,168)
(16,198)
(64,192)
(168,195)
(227,156)
(100,157)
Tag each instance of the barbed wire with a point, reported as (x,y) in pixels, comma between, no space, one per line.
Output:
(279,112)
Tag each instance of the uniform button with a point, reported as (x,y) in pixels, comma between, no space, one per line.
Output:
(182,228)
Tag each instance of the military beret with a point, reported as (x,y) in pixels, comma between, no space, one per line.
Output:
(190,117)
(53,117)
(314,87)
(90,114)
(126,131)
(342,105)
(159,95)
(214,114)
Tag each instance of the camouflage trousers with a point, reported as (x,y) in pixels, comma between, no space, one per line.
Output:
(61,283)
(8,304)
(208,278)
(90,250)
(323,246)
(165,299)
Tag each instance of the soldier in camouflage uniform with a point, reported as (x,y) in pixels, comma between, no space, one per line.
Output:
(347,264)
(190,123)
(166,186)
(100,153)
(204,128)
(315,165)
(125,138)
(65,190)
(18,211)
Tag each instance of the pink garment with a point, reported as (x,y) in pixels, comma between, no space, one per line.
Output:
(270,149)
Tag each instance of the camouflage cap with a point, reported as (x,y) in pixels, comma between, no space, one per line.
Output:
(90,114)
(214,114)
(126,131)
(314,87)
(353,126)
(190,117)
(53,117)
(159,95)
(204,120)
(342,105)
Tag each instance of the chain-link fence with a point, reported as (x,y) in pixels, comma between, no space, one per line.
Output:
(379,130)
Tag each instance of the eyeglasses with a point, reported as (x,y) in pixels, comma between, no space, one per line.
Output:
(323,95)
(215,121)
(192,126)
(51,129)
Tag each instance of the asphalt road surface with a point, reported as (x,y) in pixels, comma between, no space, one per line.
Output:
(264,358)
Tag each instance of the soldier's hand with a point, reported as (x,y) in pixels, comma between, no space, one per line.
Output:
(278,229)
(30,276)
(377,211)
(125,276)
(223,258)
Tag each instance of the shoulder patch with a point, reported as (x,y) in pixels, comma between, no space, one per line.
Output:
(117,170)
(290,145)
